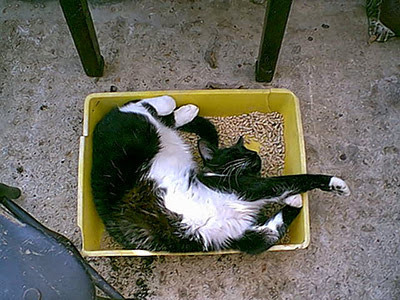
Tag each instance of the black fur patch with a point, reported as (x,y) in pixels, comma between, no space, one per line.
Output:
(123,146)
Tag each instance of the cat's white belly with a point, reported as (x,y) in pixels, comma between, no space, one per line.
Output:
(212,216)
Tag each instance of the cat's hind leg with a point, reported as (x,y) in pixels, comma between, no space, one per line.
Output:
(260,238)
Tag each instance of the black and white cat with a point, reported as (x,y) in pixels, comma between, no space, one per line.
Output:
(151,195)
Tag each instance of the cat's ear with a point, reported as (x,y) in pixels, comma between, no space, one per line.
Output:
(206,150)
(240,142)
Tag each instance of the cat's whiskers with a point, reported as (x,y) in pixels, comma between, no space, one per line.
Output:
(239,165)
(232,165)
(241,169)
(231,168)
(226,164)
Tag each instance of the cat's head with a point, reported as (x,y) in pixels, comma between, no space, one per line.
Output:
(236,159)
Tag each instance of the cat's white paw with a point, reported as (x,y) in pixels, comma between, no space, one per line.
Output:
(295,201)
(339,187)
(185,114)
(164,105)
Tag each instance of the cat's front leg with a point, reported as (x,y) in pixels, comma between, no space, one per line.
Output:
(307,182)
(338,186)
(254,188)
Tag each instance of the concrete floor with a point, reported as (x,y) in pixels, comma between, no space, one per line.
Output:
(350,100)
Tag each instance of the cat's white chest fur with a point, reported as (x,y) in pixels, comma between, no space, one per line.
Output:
(173,160)
(212,216)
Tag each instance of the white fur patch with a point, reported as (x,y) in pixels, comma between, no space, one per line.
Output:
(213,217)
(295,201)
(270,229)
(275,222)
(339,186)
(163,105)
(210,174)
(173,161)
(185,114)
(134,108)
(205,152)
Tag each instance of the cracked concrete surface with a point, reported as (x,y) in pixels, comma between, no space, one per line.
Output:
(350,100)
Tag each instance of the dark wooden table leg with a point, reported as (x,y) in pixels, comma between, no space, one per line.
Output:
(276,16)
(79,20)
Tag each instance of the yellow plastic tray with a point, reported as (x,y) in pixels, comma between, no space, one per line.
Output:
(211,103)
